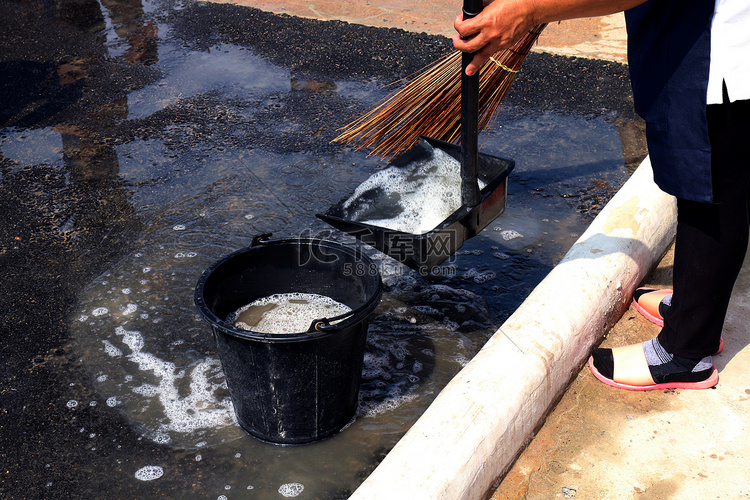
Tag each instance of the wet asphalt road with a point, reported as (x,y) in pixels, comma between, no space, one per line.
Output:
(62,225)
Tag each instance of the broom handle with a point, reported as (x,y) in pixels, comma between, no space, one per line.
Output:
(469,121)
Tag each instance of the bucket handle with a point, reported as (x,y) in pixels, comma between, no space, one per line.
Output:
(261,239)
(325,324)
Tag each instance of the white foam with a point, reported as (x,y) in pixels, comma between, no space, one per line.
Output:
(162,438)
(110,349)
(462,360)
(197,410)
(183,255)
(148,390)
(287,312)
(290,490)
(149,473)
(132,339)
(428,191)
(480,277)
(374,409)
(99,311)
(510,234)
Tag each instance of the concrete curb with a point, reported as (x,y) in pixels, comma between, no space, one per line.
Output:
(482,419)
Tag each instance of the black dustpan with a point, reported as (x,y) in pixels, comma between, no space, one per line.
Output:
(427,250)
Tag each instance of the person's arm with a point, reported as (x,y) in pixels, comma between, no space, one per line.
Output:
(504,22)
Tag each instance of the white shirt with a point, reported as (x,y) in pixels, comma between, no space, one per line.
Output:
(730,51)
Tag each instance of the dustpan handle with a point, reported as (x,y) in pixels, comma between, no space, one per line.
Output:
(469,121)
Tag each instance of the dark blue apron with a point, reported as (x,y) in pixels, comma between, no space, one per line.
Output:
(669,45)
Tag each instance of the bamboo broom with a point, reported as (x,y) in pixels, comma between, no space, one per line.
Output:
(430,104)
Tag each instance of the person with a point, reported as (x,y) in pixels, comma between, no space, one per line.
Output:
(690,77)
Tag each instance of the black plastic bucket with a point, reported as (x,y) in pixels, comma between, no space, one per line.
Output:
(300,387)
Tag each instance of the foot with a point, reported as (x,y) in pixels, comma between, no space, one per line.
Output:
(652,304)
(647,366)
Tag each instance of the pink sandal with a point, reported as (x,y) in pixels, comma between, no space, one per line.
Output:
(647,301)
(711,381)
(626,367)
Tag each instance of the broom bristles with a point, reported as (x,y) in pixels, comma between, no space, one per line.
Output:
(430,104)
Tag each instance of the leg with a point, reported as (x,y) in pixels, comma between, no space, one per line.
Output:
(712,240)
(709,251)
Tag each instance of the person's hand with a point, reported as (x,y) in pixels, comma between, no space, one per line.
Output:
(501,24)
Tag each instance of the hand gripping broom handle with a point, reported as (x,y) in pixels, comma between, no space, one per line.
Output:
(469,120)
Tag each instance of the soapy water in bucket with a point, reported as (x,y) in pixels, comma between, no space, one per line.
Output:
(413,199)
(286,312)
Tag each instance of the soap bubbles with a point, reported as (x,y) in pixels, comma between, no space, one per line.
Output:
(290,490)
(149,473)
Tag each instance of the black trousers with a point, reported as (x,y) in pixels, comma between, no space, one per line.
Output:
(712,239)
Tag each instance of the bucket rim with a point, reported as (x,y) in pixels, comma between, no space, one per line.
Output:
(355,316)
